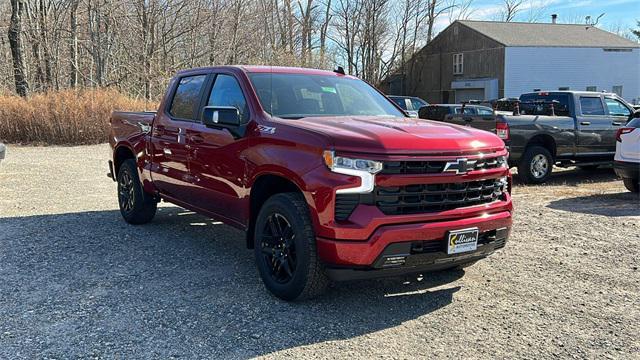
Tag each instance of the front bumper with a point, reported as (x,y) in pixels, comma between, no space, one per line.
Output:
(627,170)
(421,245)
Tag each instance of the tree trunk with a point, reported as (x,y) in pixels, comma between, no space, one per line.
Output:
(73,48)
(15,42)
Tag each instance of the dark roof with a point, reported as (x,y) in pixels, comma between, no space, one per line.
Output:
(548,35)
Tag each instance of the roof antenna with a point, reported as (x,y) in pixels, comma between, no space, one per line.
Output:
(339,70)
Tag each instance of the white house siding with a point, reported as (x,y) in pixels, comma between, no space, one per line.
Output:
(550,68)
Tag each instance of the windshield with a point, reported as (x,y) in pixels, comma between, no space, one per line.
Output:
(294,96)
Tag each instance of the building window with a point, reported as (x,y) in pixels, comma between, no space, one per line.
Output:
(564,88)
(458,64)
(592,88)
(617,90)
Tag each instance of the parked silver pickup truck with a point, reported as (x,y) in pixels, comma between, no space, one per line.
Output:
(563,128)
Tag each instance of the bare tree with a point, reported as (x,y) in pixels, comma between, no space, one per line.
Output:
(15,41)
(510,9)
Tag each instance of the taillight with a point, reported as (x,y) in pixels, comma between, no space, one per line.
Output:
(621,131)
(502,130)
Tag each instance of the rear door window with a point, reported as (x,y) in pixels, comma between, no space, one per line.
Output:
(591,105)
(187,97)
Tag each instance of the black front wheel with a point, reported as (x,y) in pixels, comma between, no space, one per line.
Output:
(285,249)
(632,185)
(536,165)
(136,206)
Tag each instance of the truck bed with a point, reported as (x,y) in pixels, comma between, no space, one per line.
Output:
(129,125)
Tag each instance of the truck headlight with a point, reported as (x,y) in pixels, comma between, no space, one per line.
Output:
(502,161)
(362,168)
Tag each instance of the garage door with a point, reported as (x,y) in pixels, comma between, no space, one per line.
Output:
(469,94)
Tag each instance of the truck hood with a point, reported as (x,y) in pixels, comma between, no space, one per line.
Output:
(400,136)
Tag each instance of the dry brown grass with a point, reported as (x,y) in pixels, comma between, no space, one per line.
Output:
(62,118)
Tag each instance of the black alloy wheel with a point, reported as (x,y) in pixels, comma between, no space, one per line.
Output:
(126,194)
(285,249)
(279,248)
(136,206)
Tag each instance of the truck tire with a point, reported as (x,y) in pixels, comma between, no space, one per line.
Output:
(632,185)
(536,165)
(285,249)
(136,206)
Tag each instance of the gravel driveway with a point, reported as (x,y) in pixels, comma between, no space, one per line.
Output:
(76,281)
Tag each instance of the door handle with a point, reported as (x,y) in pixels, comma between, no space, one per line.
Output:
(196,139)
(616,123)
(585,123)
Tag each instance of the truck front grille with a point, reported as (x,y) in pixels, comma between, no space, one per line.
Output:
(411,167)
(415,199)
(422,198)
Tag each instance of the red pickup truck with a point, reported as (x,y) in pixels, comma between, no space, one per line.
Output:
(329,178)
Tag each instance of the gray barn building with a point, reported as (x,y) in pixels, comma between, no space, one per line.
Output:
(485,60)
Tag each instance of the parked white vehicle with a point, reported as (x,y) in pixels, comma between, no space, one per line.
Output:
(627,159)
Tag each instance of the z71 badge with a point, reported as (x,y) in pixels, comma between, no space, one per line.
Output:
(266,129)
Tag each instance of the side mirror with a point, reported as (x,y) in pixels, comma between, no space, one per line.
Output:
(635,115)
(220,116)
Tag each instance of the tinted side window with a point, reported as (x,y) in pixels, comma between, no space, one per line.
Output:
(635,123)
(528,104)
(226,92)
(484,112)
(400,102)
(591,106)
(186,97)
(616,108)
(467,110)
(417,104)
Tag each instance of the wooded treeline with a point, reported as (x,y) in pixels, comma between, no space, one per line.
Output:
(136,45)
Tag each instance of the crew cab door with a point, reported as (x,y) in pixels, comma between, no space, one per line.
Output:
(619,114)
(169,147)
(217,162)
(595,132)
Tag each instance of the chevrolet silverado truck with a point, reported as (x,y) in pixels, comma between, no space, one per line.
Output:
(329,179)
(562,128)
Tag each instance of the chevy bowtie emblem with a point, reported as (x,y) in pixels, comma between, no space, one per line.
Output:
(460,166)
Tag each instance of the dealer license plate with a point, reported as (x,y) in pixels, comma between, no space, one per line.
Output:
(460,241)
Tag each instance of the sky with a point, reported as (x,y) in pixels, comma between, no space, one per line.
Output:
(618,14)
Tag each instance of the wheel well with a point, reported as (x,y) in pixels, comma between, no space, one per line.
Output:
(263,188)
(545,141)
(122,153)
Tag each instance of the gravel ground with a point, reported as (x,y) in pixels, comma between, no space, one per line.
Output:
(77,282)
